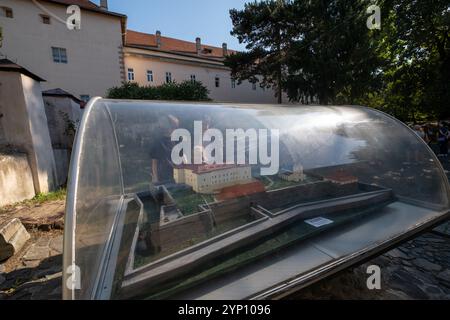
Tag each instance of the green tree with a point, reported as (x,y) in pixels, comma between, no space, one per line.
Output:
(318,49)
(266,29)
(416,38)
(334,58)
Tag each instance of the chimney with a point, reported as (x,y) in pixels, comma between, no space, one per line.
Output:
(158,39)
(104,4)
(198,45)
(224,49)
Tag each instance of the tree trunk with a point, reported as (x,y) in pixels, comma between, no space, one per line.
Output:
(279,89)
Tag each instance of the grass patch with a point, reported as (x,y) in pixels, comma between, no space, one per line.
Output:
(188,201)
(51,196)
(38,199)
(274,182)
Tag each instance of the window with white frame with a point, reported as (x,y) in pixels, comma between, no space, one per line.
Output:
(149,76)
(193,78)
(59,55)
(168,77)
(217,82)
(130,74)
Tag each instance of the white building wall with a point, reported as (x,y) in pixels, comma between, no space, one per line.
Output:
(243,93)
(209,182)
(93,52)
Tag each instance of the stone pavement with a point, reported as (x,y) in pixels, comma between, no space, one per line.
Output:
(418,269)
(37,272)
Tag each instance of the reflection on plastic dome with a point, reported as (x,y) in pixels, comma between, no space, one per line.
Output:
(180,200)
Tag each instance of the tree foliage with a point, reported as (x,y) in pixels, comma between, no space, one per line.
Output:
(335,55)
(416,38)
(266,27)
(322,50)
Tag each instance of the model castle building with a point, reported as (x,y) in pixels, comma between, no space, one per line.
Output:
(206,178)
(296,175)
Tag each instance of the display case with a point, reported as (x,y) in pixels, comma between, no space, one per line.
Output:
(228,201)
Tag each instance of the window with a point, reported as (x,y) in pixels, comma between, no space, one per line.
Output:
(217,81)
(59,55)
(233,83)
(149,75)
(45,19)
(193,78)
(254,86)
(130,74)
(7,12)
(85,97)
(168,77)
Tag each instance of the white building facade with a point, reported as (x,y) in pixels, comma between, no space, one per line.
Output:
(152,59)
(103,54)
(85,62)
(212,178)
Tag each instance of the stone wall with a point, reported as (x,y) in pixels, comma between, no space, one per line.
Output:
(25,126)
(59,111)
(16,181)
(2,131)
(186,229)
(62,161)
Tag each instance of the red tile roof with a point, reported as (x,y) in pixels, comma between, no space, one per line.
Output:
(241,190)
(135,38)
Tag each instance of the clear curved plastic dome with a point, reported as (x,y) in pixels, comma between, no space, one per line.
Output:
(222,201)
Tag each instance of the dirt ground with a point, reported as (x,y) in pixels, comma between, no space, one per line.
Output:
(35,271)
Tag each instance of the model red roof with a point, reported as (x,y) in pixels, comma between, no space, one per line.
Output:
(341,177)
(241,190)
(204,168)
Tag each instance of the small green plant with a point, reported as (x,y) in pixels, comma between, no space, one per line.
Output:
(70,126)
(50,196)
(38,199)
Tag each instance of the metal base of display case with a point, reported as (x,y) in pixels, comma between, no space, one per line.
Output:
(290,271)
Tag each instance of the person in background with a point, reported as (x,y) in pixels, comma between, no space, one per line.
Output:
(162,168)
(443,136)
(419,131)
(426,133)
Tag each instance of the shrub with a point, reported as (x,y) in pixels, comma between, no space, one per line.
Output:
(186,90)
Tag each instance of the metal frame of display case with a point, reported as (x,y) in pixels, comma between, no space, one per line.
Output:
(279,290)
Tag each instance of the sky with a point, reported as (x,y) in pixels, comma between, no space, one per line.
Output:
(182,19)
